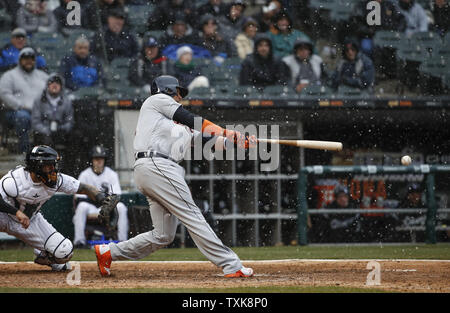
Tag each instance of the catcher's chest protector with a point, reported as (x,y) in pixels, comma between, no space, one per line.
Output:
(29,196)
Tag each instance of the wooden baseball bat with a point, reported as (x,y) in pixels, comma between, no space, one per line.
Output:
(309,144)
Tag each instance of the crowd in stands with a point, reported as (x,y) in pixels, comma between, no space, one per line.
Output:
(273,43)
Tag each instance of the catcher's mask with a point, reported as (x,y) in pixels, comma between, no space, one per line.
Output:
(168,85)
(40,156)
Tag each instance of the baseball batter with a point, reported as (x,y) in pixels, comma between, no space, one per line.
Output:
(164,132)
(103,178)
(24,190)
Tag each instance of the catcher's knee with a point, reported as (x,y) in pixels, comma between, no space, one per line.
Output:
(59,248)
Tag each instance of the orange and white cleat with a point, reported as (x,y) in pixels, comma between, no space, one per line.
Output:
(243,272)
(104,259)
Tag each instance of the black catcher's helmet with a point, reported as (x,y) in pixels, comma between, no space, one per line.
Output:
(168,85)
(43,155)
(98,152)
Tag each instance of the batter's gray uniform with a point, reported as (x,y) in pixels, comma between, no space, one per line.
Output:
(29,197)
(161,180)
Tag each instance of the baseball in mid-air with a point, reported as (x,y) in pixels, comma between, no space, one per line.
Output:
(406,160)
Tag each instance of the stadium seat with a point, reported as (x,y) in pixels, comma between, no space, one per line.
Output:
(322,4)
(420,47)
(87,93)
(446,80)
(429,41)
(390,39)
(50,46)
(315,90)
(217,75)
(222,92)
(443,52)
(117,74)
(138,16)
(6,19)
(342,10)
(436,67)
(233,62)
(245,92)
(412,52)
(446,39)
(73,35)
(278,91)
(349,91)
(154,33)
(5,38)
(199,92)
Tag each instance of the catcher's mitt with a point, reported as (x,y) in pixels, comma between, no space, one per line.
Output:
(108,215)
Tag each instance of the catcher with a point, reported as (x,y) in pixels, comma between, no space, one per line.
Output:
(24,190)
(164,132)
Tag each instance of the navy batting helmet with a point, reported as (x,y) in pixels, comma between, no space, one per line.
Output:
(39,156)
(168,85)
(98,152)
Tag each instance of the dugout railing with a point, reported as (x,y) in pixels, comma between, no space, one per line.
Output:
(429,172)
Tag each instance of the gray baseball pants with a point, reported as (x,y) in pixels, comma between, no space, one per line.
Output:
(162,182)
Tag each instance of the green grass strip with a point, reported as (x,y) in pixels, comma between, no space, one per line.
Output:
(439,251)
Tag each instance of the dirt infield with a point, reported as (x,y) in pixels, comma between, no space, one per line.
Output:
(398,276)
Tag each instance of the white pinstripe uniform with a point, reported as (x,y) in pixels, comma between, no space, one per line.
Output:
(29,197)
(108,181)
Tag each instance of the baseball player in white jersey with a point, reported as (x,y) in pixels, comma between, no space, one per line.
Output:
(164,132)
(24,190)
(103,178)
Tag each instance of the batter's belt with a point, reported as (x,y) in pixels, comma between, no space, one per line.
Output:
(152,154)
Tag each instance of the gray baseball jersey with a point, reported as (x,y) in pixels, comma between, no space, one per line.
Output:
(156,131)
(162,182)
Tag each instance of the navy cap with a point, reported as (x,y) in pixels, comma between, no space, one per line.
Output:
(151,42)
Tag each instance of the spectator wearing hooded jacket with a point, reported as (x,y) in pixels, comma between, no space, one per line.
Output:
(211,38)
(214,7)
(180,32)
(441,15)
(416,18)
(305,67)
(230,24)
(119,42)
(9,54)
(262,68)
(19,87)
(52,115)
(355,69)
(187,71)
(166,12)
(34,16)
(149,64)
(283,36)
(81,68)
(267,14)
(244,40)
(104,10)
